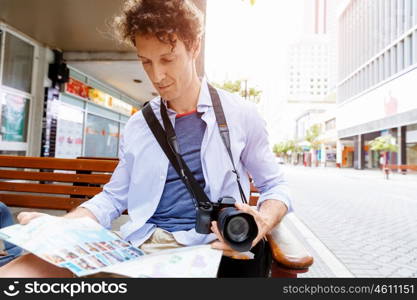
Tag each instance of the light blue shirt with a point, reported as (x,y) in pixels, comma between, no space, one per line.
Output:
(138,181)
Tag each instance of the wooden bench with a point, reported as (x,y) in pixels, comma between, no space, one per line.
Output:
(51,183)
(63,184)
(403,168)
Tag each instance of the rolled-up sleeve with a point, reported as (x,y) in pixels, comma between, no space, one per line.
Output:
(112,201)
(260,161)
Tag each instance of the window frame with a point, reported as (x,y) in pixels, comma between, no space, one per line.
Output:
(19,146)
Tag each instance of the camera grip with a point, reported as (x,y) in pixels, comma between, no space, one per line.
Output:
(203,220)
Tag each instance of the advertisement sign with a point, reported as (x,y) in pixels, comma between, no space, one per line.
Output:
(69,136)
(14,115)
(96,96)
(110,102)
(77,88)
(49,121)
(122,107)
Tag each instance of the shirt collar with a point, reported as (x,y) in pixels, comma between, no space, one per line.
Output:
(204,99)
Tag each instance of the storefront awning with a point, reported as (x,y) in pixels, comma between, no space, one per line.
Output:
(82,28)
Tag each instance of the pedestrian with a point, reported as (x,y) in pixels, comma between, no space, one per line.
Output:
(382,161)
(167,36)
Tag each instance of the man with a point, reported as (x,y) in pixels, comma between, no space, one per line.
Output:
(167,36)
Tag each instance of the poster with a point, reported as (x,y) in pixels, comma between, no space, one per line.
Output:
(69,136)
(14,116)
(77,88)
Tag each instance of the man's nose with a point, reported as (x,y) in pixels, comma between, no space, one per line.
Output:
(158,74)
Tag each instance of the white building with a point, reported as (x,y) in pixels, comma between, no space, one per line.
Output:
(377,78)
(312,68)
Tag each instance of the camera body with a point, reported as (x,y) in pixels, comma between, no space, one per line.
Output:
(237,228)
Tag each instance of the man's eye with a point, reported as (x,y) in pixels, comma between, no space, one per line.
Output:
(167,60)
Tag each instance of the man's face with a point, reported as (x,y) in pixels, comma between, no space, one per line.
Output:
(170,70)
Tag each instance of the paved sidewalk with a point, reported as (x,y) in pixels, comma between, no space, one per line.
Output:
(324,261)
(367,222)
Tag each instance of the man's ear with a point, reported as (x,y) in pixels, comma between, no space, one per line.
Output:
(196,48)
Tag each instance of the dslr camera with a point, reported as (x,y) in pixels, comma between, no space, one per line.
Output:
(237,228)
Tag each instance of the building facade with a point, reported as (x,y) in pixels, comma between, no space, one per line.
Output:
(40,120)
(377,79)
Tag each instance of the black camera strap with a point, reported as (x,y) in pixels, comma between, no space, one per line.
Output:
(224,133)
(194,188)
(168,141)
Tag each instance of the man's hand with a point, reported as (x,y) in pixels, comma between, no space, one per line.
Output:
(25,217)
(220,244)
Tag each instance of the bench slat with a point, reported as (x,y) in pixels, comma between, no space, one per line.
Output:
(40,202)
(58,163)
(59,177)
(49,188)
(403,167)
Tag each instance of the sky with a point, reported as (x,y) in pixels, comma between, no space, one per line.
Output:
(251,42)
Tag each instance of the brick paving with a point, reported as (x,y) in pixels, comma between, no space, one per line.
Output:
(369,223)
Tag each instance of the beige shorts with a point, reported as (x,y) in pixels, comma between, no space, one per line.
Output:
(159,240)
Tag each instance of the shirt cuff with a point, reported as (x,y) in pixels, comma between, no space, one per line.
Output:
(283,197)
(103,218)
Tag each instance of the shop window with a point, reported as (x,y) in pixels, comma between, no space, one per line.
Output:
(102,137)
(400,56)
(330,124)
(18,63)
(408,54)
(412,154)
(14,116)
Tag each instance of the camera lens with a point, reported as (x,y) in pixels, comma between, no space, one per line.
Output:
(237,229)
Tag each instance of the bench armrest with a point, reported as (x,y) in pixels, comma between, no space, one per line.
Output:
(287,250)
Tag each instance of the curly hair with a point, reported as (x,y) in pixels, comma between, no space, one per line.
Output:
(165,19)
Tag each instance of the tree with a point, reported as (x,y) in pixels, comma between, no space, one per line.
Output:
(312,136)
(384,143)
(286,148)
(235,87)
(254,95)
(280,148)
(252,2)
(230,86)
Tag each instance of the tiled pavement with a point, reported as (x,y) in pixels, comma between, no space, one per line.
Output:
(367,222)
